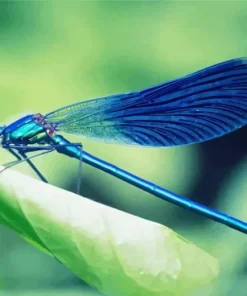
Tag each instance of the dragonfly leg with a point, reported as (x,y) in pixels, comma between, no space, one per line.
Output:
(26,149)
(78,183)
(38,173)
(35,148)
(12,163)
(23,157)
(22,150)
(14,154)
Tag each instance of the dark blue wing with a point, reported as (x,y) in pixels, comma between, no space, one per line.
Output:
(195,108)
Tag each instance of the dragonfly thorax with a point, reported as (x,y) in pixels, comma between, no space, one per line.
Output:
(40,120)
(23,131)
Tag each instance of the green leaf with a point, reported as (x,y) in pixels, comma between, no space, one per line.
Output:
(53,292)
(118,253)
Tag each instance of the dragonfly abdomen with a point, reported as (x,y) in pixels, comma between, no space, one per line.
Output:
(63,146)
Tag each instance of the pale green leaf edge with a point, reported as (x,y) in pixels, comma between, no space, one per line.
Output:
(115,252)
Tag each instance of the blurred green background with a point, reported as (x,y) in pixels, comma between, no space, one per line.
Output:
(54,53)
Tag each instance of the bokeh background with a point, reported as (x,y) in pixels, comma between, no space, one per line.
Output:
(54,53)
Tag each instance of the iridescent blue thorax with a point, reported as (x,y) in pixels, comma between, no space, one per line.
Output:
(23,131)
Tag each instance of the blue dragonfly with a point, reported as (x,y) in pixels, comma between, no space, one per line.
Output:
(192,109)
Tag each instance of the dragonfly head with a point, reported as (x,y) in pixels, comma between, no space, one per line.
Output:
(1,130)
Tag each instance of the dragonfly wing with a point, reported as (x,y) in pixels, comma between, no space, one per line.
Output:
(192,109)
